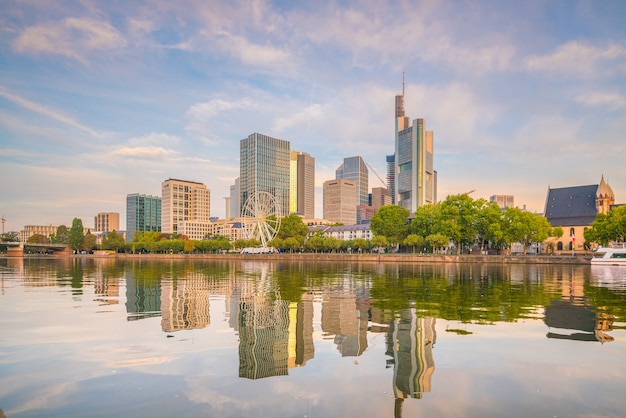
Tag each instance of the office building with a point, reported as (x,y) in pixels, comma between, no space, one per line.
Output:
(503,200)
(380,197)
(302,184)
(354,168)
(106,222)
(415,177)
(391,177)
(340,201)
(143,214)
(235,200)
(183,200)
(264,166)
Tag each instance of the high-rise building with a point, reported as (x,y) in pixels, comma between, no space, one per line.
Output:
(415,177)
(143,213)
(235,200)
(302,184)
(340,201)
(380,197)
(106,222)
(182,201)
(503,200)
(264,166)
(391,177)
(354,168)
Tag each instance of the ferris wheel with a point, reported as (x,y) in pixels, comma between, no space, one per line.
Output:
(261,217)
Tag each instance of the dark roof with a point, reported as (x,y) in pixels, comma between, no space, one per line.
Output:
(571,206)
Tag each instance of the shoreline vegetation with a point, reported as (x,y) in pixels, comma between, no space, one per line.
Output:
(579,259)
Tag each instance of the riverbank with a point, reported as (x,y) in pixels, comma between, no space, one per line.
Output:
(349,258)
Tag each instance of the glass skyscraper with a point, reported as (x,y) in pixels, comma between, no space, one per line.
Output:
(354,168)
(264,166)
(143,213)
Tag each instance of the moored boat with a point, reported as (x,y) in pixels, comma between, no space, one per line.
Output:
(610,256)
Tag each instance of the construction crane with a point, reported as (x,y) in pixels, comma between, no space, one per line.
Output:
(470,192)
(3,221)
(374,171)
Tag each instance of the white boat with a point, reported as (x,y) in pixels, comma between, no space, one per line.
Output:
(613,256)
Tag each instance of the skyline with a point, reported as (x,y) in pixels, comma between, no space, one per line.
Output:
(98,101)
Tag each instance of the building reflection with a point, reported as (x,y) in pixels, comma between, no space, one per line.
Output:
(185,303)
(345,319)
(143,297)
(572,317)
(410,342)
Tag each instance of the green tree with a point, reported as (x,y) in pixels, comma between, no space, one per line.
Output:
(315,243)
(291,243)
(414,240)
(89,242)
(38,239)
(426,219)
(608,227)
(9,237)
(458,220)
(361,244)
(76,234)
(437,242)
(380,241)
(61,235)
(293,226)
(488,218)
(525,227)
(113,241)
(391,222)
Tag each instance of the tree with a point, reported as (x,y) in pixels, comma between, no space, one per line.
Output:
(291,244)
(525,227)
(113,241)
(437,242)
(76,234)
(315,243)
(414,240)
(38,239)
(61,236)
(9,237)
(391,222)
(458,220)
(361,244)
(380,241)
(293,226)
(608,227)
(488,216)
(89,242)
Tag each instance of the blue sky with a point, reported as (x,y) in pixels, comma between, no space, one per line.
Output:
(99,99)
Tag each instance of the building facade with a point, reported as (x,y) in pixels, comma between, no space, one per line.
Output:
(235,200)
(503,200)
(143,214)
(340,201)
(302,184)
(264,166)
(391,177)
(381,196)
(355,169)
(183,200)
(574,209)
(415,177)
(106,222)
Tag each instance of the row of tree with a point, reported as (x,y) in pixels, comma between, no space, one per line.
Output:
(466,222)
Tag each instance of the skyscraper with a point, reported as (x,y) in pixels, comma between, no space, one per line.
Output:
(143,213)
(264,166)
(235,197)
(415,177)
(391,177)
(106,222)
(302,184)
(183,200)
(354,168)
(340,201)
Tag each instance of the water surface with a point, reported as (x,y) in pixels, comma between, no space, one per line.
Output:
(161,338)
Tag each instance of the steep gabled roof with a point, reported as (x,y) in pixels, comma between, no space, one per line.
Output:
(571,206)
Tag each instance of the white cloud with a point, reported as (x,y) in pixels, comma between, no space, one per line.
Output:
(47,111)
(71,37)
(143,152)
(607,99)
(579,58)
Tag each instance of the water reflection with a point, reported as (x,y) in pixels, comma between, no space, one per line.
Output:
(280,311)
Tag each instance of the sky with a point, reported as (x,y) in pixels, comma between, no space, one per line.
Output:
(101,99)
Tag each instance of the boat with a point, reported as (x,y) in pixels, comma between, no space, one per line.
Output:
(610,256)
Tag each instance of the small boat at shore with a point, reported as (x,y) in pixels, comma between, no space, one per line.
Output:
(613,256)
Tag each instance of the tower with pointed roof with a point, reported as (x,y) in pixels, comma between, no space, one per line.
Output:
(604,197)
